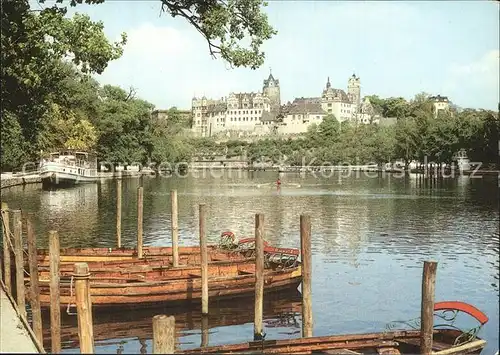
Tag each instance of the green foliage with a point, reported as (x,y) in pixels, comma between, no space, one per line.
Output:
(225,24)
(12,142)
(37,48)
(418,133)
(233,29)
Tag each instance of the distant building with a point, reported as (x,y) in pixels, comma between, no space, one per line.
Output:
(158,115)
(441,103)
(261,113)
(238,112)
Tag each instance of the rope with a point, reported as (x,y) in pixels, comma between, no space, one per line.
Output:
(70,298)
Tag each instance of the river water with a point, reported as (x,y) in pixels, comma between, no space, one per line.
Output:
(370,238)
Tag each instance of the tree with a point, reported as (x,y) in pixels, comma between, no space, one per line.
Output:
(125,134)
(395,107)
(406,137)
(225,24)
(35,47)
(328,130)
(12,142)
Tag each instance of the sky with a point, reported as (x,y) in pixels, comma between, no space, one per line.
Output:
(397,48)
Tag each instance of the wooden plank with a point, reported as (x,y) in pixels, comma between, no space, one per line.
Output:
(388,351)
(436,345)
(463,349)
(341,351)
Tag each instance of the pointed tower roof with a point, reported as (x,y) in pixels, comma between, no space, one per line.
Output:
(328,85)
(271,77)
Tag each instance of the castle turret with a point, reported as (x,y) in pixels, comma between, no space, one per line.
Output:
(271,89)
(354,89)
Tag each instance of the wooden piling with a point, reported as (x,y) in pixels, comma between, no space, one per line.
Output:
(34,289)
(204,260)
(84,308)
(175,228)
(427,307)
(19,260)
(139,221)
(258,328)
(119,212)
(55,310)
(163,334)
(7,242)
(204,331)
(306,261)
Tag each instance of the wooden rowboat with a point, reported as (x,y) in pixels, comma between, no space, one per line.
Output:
(155,270)
(448,339)
(227,279)
(227,248)
(395,342)
(161,266)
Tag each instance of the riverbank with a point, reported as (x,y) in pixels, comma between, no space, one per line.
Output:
(9,179)
(19,179)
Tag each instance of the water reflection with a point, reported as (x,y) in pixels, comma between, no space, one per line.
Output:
(134,328)
(370,235)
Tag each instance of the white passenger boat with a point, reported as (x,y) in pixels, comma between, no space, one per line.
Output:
(68,167)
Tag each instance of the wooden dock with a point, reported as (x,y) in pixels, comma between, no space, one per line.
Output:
(14,335)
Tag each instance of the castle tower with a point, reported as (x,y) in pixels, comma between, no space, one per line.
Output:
(354,89)
(271,89)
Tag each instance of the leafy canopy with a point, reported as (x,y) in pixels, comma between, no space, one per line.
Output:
(234,29)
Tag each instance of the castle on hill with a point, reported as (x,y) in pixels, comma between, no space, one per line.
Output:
(261,113)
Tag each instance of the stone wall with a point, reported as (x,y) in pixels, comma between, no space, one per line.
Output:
(9,180)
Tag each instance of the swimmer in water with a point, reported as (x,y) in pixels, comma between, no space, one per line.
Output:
(278,183)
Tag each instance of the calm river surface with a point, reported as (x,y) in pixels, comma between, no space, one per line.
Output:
(370,238)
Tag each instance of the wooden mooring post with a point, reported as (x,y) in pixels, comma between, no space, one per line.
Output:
(84,308)
(7,244)
(204,260)
(163,334)
(55,305)
(119,212)
(258,328)
(175,228)
(204,331)
(34,290)
(19,259)
(139,221)
(427,307)
(306,260)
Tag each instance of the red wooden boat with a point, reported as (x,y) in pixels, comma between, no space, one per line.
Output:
(227,248)
(228,279)
(448,339)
